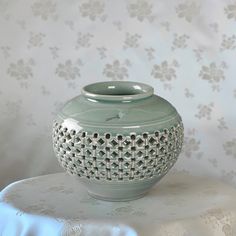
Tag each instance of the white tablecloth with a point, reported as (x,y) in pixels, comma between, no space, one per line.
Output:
(57,204)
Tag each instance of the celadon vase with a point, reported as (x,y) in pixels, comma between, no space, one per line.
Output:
(118,139)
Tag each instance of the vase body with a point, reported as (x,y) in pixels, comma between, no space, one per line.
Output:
(118,139)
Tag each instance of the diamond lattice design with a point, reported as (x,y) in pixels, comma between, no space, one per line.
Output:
(99,155)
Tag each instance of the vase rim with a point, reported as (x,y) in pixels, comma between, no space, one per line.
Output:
(117,91)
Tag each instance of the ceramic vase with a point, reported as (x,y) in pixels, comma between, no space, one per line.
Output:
(118,139)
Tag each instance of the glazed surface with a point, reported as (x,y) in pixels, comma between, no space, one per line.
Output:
(118,138)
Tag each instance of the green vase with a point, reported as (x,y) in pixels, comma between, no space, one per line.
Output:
(118,139)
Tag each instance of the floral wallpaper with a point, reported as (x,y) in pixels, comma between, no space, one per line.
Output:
(185,49)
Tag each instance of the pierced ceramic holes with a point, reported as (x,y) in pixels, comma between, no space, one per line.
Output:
(132,136)
(120,157)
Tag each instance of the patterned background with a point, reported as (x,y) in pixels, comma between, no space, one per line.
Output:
(184,49)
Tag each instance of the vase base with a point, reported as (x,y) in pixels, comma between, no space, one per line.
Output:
(116,191)
(115,199)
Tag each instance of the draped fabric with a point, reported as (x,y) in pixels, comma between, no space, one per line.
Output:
(180,205)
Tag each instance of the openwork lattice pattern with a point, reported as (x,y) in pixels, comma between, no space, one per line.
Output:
(107,157)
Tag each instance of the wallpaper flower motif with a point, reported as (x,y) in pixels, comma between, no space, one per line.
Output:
(115,71)
(180,41)
(230,11)
(222,124)
(191,146)
(205,111)
(84,40)
(230,147)
(165,71)
(6,51)
(22,71)
(188,10)
(36,40)
(213,75)
(93,9)
(141,10)
(228,42)
(150,53)
(44,9)
(68,70)
(188,93)
(13,108)
(131,41)
(54,52)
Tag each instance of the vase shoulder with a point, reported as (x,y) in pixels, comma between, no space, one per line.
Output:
(151,110)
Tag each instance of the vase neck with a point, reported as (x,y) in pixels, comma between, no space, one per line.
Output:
(117,91)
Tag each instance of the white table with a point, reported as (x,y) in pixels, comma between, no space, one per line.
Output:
(180,205)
